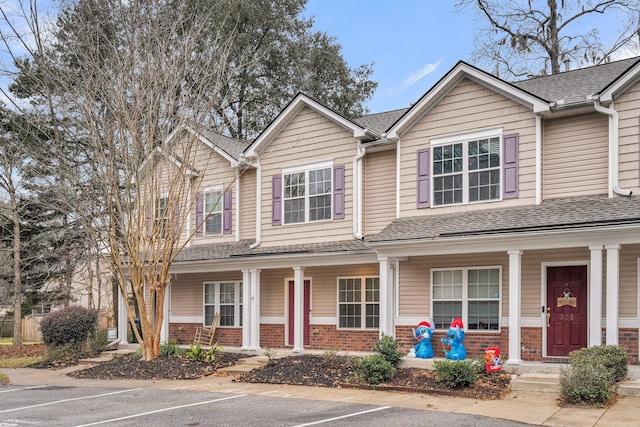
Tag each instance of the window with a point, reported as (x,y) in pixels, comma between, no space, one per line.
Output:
(224,298)
(466,170)
(359,302)
(473,294)
(213,212)
(161,214)
(307,194)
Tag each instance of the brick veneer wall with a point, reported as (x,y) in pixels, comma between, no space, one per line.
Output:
(329,337)
(183,333)
(271,336)
(628,339)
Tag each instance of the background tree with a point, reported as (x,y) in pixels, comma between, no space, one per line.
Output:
(536,37)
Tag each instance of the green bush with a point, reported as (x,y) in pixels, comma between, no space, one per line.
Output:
(585,383)
(70,325)
(170,348)
(610,358)
(375,368)
(456,374)
(387,346)
(198,353)
(96,343)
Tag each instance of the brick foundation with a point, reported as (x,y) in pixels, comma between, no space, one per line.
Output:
(328,337)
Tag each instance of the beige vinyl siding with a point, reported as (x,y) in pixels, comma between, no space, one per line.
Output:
(187,292)
(415,279)
(272,292)
(324,285)
(248,204)
(628,106)
(575,152)
(629,256)
(467,108)
(379,190)
(307,139)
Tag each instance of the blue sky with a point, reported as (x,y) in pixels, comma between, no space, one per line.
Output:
(412,43)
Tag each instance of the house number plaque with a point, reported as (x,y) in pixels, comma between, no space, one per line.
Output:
(567,298)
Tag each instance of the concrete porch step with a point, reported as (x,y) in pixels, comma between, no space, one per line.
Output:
(539,383)
(246,365)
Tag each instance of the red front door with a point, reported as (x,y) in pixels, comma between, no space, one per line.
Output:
(305,311)
(566,309)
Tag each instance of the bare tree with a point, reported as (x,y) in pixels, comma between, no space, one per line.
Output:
(536,37)
(118,79)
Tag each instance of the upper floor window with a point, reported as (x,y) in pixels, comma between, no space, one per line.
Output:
(307,194)
(161,214)
(466,171)
(471,168)
(472,294)
(213,212)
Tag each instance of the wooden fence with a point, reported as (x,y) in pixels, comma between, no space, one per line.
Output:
(31,328)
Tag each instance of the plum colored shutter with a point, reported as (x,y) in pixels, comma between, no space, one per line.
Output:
(226,213)
(276,202)
(199,214)
(510,166)
(338,192)
(423,178)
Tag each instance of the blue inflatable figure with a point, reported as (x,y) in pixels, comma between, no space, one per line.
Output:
(423,334)
(453,343)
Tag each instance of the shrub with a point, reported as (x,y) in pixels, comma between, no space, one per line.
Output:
(585,383)
(610,358)
(170,348)
(198,353)
(195,352)
(271,354)
(375,368)
(456,374)
(96,342)
(70,325)
(387,346)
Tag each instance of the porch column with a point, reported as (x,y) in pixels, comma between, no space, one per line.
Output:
(122,319)
(515,267)
(255,310)
(595,296)
(246,310)
(298,308)
(386,281)
(164,330)
(613,289)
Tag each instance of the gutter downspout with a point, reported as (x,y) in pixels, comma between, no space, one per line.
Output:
(238,204)
(538,159)
(258,205)
(357,194)
(613,150)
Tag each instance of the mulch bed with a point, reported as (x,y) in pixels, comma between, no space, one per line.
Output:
(168,367)
(28,350)
(337,371)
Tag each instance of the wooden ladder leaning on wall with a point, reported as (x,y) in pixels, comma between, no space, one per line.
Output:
(204,336)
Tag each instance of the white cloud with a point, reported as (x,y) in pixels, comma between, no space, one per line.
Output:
(416,77)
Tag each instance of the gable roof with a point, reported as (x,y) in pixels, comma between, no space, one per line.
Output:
(380,122)
(292,109)
(461,71)
(576,86)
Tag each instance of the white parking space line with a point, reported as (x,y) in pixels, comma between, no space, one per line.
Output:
(160,410)
(68,400)
(20,389)
(328,420)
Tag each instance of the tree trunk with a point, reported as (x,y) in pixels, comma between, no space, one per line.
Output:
(554,42)
(17,273)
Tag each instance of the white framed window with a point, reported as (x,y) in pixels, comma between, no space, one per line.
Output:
(213,212)
(307,193)
(471,293)
(359,302)
(161,212)
(466,168)
(224,298)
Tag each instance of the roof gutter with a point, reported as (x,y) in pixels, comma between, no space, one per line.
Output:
(614,165)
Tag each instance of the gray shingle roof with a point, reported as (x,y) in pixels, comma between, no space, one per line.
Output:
(575,85)
(380,122)
(235,250)
(231,146)
(552,214)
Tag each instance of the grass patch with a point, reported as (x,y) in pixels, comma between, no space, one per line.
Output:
(19,362)
(9,341)
(4,379)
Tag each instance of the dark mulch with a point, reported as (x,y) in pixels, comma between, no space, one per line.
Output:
(164,367)
(336,371)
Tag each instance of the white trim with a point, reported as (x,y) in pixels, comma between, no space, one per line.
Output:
(538,159)
(217,188)
(629,78)
(186,319)
(628,322)
(613,293)
(363,302)
(237,218)
(465,294)
(331,321)
(306,169)
(237,302)
(596,287)
(515,306)
(530,322)
(272,320)
(398,176)
(286,303)
(466,136)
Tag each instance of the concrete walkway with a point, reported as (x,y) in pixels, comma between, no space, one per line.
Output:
(523,405)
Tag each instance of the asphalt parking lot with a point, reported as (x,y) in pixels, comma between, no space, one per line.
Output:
(89,406)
